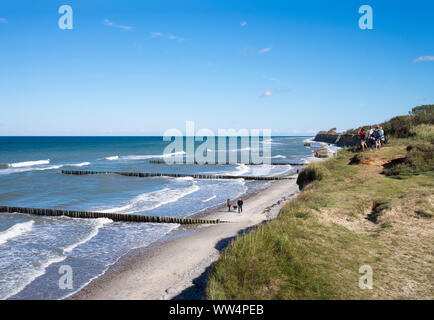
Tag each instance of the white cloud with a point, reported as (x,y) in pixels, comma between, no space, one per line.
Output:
(3,20)
(425,58)
(156,34)
(267,93)
(243,23)
(262,51)
(109,23)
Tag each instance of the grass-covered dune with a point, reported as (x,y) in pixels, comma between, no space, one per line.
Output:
(373,208)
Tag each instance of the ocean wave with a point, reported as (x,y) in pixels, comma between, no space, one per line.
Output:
(287,169)
(240,170)
(279,156)
(54,257)
(32,168)
(15,231)
(262,170)
(112,158)
(184,179)
(99,223)
(29,278)
(169,228)
(210,198)
(82,164)
(151,156)
(28,163)
(153,200)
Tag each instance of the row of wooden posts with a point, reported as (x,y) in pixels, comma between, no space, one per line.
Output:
(250,164)
(131,217)
(112,216)
(174,175)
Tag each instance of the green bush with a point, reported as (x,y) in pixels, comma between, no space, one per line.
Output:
(423,114)
(419,159)
(401,126)
(314,172)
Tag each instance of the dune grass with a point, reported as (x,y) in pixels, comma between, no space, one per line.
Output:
(348,215)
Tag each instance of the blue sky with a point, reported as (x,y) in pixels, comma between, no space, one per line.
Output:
(141,67)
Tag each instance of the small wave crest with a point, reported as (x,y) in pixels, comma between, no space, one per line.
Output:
(151,156)
(209,199)
(112,158)
(28,163)
(153,200)
(82,164)
(240,170)
(98,224)
(32,168)
(16,230)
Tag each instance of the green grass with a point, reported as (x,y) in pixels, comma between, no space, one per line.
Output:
(314,249)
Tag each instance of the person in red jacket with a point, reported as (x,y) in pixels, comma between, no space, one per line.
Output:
(363,137)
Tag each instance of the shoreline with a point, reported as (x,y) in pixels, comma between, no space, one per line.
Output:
(160,271)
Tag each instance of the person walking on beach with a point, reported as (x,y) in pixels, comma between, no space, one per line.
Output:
(240,205)
(363,137)
(229,203)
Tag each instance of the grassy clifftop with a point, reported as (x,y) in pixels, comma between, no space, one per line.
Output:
(373,208)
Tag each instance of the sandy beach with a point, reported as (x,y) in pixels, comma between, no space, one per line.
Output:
(177,268)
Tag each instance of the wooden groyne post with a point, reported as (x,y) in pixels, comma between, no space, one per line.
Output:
(112,216)
(250,164)
(174,175)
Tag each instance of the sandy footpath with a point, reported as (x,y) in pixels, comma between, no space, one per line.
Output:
(178,268)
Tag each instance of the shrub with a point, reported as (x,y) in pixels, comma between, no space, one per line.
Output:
(399,127)
(419,159)
(314,172)
(423,114)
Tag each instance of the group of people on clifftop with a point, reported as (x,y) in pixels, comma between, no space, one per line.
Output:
(373,137)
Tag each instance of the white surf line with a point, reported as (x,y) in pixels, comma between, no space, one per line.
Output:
(112,158)
(43,267)
(173,227)
(213,197)
(16,230)
(159,198)
(100,222)
(28,163)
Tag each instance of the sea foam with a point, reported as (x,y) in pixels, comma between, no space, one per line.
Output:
(16,230)
(152,200)
(28,163)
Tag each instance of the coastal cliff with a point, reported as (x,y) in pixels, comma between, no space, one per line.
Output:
(341,140)
(356,209)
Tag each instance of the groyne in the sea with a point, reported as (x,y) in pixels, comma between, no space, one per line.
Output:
(173,175)
(341,140)
(112,216)
(250,164)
